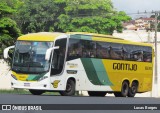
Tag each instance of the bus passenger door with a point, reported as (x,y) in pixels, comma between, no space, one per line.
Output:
(58,61)
(58,57)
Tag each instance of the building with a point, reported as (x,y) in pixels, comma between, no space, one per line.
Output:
(140,24)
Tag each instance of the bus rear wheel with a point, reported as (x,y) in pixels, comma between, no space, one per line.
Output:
(70,89)
(133,90)
(124,90)
(97,93)
(36,92)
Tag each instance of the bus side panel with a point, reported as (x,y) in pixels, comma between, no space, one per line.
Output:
(92,74)
(119,71)
(87,77)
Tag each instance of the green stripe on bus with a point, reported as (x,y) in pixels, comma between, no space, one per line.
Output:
(83,37)
(30,77)
(90,71)
(75,36)
(86,37)
(101,72)
(33,77)
(96,71)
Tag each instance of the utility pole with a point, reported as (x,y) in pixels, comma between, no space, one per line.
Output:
(149,36)
(155,84)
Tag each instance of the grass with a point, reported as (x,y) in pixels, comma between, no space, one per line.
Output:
(14,91)
(23,91)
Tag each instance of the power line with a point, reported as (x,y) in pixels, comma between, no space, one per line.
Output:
(145,12)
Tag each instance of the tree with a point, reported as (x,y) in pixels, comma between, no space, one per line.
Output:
(70,15)
(91,16)
(158,27)
(37,15)
(152,24)
(8,28)
(153,16)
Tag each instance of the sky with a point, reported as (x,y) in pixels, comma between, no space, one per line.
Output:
(133,6)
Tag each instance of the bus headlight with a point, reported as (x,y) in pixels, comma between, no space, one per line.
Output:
(42,78)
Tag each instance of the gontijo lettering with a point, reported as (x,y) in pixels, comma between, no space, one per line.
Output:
(125,66)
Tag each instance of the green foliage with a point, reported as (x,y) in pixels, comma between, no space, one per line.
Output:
(158,27)
(91,16)
(8,28)
(57,15)
(69,15)
(153,24)
(23,91)
(153,16)
(5,10)
(37,15)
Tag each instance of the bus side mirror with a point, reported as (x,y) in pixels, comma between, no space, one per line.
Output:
(48,52)
(6,50)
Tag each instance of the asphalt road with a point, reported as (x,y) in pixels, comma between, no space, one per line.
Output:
(51,99)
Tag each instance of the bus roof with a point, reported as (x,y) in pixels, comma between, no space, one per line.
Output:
(94,34)
(107,38)
(51,36)
(41,36)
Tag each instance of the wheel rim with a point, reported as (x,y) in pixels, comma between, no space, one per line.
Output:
(125,89)
(133,89)
(69,87)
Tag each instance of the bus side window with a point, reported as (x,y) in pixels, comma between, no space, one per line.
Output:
(140,56)
(88,49)
(147,54)
(137,55)
(102,50)
(74,49)
(147,57)
(116,52)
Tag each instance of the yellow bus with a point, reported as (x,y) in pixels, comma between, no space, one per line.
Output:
(70,62)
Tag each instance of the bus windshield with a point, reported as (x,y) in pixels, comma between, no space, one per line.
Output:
(29,57)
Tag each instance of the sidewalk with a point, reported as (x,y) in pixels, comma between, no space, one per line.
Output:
(5,82)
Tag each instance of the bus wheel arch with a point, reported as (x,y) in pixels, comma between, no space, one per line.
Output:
(70,87)
(133,89)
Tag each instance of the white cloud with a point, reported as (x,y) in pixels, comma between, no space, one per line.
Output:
(132,6)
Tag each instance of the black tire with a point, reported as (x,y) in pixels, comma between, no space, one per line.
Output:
(124,90)
(117,94)
(70,89)
(36,92)
(133,90)
(97,93)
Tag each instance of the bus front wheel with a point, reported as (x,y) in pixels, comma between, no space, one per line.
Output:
(36,92)
(70,89)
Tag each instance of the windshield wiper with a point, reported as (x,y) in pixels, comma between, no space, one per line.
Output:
(35,64)
(28,71)
(20,64)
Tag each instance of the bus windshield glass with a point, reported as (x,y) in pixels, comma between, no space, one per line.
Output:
(29,57)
